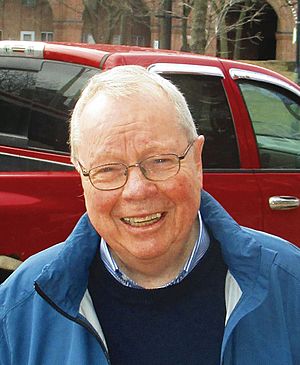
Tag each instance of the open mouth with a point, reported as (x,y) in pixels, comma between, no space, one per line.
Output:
(142,221)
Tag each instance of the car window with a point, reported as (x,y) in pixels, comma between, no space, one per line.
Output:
(16,92)
(35,107)
(275,117)
(207,101)
(58,87)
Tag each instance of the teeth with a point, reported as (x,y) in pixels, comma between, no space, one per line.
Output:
(142,221)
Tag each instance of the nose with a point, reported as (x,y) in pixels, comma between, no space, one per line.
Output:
(137,186)
(138,165)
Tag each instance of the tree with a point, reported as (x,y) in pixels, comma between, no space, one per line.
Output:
(186,10)
(219,19)
(230,18)
(198,33)
(165,24)
(106,18)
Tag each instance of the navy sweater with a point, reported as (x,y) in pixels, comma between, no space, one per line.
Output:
(179,325)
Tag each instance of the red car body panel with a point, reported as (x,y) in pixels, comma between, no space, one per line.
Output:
(283,223)
(34,215)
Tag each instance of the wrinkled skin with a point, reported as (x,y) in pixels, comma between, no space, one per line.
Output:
(128,130)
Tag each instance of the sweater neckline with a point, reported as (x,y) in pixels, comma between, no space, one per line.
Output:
(102,281)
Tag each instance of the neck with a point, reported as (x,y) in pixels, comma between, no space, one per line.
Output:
(158,272)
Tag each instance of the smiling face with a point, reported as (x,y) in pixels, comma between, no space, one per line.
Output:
(144,220)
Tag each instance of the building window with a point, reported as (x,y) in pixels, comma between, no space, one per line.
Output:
(29,3)
(27,36)
(137,40)
(116,39)
(47,36)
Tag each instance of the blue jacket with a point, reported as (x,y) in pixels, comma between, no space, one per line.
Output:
(42,320)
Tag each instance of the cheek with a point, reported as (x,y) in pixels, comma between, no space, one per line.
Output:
(98,203)
(185,195)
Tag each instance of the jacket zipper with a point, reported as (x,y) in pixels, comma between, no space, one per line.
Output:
(76,320)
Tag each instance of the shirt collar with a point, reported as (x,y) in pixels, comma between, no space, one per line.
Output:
(200,247)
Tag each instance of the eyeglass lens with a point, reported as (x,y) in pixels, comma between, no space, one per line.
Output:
(111,176)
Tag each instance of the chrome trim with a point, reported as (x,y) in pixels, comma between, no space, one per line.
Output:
(284,202)
(22,49)
(37,159)
(237,74)
(183,68)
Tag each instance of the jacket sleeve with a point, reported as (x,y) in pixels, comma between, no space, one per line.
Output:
(5,358)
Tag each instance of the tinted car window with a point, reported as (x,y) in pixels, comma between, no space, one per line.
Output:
(16,93)
(35,107)
(209,107)
(275,116)
(57,89)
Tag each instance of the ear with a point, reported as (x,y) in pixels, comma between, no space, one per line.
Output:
(198,147)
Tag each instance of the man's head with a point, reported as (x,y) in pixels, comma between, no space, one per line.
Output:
(124,117)
(128,81)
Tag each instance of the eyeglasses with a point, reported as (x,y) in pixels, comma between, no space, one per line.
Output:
(112,176)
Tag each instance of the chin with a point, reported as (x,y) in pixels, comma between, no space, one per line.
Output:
(147,253)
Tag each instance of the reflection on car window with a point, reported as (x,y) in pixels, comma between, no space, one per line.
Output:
(275,116)
(209,107)
(16,92)
(35,108)
(58,87)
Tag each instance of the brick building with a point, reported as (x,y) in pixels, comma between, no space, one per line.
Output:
(70,20)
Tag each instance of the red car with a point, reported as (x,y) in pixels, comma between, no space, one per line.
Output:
(250,118)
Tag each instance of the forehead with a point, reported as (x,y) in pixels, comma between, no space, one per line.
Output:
(107,121)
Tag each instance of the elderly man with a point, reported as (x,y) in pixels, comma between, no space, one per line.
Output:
(145,277)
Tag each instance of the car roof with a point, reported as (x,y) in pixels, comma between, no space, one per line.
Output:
(107,56)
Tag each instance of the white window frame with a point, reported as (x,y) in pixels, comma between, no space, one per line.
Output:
(47,36)
(29,3)
(116,39)
(138,40)
(24,33)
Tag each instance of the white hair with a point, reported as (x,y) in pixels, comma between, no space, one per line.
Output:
(125,81)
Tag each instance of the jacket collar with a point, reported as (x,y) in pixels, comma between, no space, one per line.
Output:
(241,251)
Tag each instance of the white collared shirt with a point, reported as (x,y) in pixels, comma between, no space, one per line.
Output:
(200,247)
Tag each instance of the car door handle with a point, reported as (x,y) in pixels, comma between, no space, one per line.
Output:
(284,202)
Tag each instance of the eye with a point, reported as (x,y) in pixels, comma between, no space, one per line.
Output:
(106,169)
(161,160)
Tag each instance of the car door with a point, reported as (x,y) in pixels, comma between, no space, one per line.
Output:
(226,157)
(40,192)
(273,107)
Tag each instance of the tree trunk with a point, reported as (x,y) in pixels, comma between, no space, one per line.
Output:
(184,23)
(238,36)
(166,24)
(123,39)
(223,39)
(198,36)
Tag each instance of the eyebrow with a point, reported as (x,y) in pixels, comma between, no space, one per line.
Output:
(152,150)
